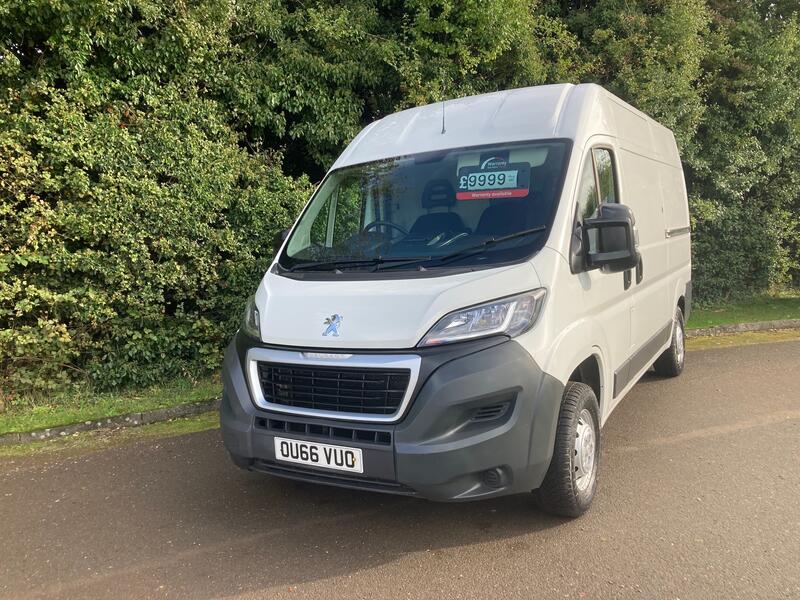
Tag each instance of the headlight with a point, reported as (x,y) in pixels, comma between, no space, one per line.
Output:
(251,321)
(510,316)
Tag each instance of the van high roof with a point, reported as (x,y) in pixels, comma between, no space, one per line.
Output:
(569,111)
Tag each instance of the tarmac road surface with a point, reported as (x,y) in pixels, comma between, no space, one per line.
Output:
(699,497)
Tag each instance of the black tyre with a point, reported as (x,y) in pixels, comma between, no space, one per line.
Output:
(671,361)
(570,483)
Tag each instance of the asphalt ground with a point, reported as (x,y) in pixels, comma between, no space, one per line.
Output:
(699,497)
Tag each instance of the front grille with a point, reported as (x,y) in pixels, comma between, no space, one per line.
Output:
(338,389)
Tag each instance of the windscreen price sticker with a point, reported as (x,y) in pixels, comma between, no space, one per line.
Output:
(494,178)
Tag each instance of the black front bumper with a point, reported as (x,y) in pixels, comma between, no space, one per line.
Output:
(452,443)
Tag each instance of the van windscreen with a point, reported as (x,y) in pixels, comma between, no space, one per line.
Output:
(465,207)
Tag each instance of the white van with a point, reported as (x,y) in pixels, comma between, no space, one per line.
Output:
(469,293)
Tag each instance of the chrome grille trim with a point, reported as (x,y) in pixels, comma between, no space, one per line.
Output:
(331,359)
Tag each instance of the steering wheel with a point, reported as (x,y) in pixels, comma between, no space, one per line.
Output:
(376,224)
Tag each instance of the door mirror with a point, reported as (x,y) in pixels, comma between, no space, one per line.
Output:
(279,238)
(609,239)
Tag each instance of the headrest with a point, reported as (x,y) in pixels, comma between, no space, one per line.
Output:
(503,218)
(438,192)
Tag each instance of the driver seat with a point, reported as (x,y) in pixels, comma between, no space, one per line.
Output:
(437,193)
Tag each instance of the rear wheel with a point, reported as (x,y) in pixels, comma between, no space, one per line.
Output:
(570,483)
(671,361)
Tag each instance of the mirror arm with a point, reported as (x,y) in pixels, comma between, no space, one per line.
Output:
(577,252)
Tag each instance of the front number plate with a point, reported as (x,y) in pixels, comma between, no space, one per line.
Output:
(340,458)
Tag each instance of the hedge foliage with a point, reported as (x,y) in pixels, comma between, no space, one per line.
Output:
(149,150)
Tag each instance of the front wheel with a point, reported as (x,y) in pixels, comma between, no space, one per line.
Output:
(671,361)
(571,480)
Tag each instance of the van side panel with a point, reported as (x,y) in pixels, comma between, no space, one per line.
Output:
(587,314)
(650,289)
(677,224)
(652,185)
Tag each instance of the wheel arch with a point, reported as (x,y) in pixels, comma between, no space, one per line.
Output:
(571,356)
(682,297)
(590,372)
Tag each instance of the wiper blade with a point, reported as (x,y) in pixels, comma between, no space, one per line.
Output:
(332,264)
(471,250)
(401,262)
(368,262)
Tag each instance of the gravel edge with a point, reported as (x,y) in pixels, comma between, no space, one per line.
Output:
(129,420)
(745,327)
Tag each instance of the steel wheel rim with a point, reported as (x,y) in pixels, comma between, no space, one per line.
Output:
(584,460)
(679,342)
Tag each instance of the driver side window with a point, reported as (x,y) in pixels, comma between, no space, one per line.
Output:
(597,186)
(598,183)
(587,191)
(604,167)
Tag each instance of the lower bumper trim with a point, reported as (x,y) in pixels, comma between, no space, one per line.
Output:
(346,481)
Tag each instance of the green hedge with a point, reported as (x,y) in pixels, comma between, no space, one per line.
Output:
(131,238)
(149,150)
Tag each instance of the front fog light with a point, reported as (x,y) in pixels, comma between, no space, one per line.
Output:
(510,316)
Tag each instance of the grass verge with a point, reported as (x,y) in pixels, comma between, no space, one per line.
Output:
(88,441)
(29,415)
(760,308)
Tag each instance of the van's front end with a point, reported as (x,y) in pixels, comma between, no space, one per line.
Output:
(384,349)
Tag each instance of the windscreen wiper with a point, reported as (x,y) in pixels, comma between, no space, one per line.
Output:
(393,263)
(471,250)
(368,262)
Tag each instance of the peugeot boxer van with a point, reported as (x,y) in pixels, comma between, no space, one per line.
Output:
(465,299)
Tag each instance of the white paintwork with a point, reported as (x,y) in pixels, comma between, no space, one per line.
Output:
(383,314)
(513,115)
(585,314)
